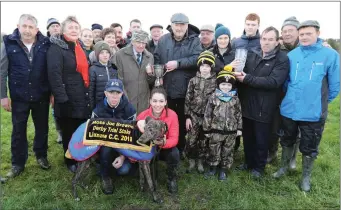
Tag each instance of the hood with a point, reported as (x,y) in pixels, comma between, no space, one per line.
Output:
(59,40)
(192,31)
(313,47)
(96,63)
(257,36)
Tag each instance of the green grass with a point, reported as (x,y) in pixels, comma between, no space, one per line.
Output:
(39,189)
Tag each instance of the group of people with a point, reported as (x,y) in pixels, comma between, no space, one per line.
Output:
(282,92)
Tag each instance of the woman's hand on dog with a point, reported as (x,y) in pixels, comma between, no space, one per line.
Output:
(141,124)
(118,162)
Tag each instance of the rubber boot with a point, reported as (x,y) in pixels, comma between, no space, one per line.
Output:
(200,166)
(307,167)
(286,155)
(222,175)
(292,164)
(171,180)
(191,165)
(211,172)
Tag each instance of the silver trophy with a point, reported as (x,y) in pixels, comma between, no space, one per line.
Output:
(159,72)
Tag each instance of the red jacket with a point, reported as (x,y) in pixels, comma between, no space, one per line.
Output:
(172,135)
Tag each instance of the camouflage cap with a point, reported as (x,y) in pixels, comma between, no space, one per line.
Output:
(140,36)
(308,23)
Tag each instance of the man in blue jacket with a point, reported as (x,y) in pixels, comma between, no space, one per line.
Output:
(314,81)
(23,60)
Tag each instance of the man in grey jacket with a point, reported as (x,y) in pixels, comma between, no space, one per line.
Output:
(178,52)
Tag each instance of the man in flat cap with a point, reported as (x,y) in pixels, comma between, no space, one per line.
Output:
(207,37)
(314,81)
(132,62)
(178,51)
(156,31)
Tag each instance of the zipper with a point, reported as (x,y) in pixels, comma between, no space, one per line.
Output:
(311,71)
(297,65)
(106,67)
(261,106)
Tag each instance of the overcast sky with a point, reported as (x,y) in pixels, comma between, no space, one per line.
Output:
(231,14)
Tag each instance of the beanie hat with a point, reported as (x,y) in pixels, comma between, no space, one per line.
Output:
(101,45)
(96,26)
(226,76)
(291,21)
(206,57)
(221,30)
(51,21)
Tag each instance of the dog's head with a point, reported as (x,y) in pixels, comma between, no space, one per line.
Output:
(153,130)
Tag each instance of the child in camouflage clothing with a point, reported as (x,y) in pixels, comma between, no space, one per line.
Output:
(222,123)
(200,88)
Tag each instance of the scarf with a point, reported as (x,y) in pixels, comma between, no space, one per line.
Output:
(82,62)
(225,96)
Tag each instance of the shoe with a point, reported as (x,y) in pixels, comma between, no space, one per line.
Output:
(200,166)
(307,166)
(107,187)
(211,172)
(72,168)
(15,171)
(222,175)
(242,167)
(59,139)
(191,165)
(286,156)
(3,180)
(43,163)
(256,174)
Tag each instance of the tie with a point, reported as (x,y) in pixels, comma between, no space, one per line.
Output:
(139,58)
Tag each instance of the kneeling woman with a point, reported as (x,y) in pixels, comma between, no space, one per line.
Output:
(169,152)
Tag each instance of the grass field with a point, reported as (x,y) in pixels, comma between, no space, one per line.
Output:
(38,189)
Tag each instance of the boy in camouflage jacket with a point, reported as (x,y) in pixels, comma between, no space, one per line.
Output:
(200,88)
(222,123)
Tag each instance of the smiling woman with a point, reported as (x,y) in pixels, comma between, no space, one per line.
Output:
(69,79)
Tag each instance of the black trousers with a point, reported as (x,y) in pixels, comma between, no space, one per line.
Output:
(40,117)
(311,134)
(274,136)
(68,126)
(255,138)
(178,105)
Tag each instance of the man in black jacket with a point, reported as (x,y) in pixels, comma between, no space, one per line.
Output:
(23,60)
(178,52)
(259,92)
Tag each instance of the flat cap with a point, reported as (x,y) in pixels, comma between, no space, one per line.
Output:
(155,26)
(207,27)
(308,23)
(179,18)
(140,36)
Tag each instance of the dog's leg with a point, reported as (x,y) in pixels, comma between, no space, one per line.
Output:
(148,177)
(82,166)
(142,178)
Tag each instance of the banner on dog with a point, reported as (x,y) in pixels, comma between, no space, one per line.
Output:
(114,133)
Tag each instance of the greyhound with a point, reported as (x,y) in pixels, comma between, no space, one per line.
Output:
(154,131)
